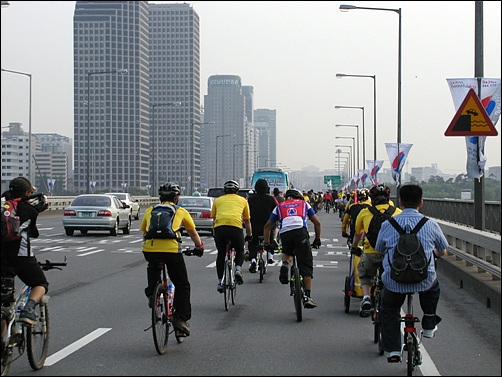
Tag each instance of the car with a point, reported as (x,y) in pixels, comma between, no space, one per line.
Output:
(199,208)
(128,199)
(97,212)
(215,192)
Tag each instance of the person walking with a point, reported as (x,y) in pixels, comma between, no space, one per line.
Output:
(434,243)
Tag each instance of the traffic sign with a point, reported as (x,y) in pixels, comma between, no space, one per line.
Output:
(335,179)
(471,119)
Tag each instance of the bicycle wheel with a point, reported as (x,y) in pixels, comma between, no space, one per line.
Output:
(37,337)
(6,356)
(346,297)
(233,283)
(377,323)
(297,293)
(160,324)
(227,284)
(261,267)
(410,349)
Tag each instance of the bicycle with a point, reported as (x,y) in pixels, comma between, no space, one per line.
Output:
(163,309)
(376,297)
(411,342)
(34,339)
(228,280)
(296,289)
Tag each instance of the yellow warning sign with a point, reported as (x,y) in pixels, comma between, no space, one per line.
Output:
(471,119)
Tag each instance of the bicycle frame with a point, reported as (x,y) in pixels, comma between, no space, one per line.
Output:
(411,342)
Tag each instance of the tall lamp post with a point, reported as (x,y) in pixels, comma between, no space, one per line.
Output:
(89,74)
(236,145)
(358,144)
(29,114)
(354,150)
(192,153)
(364,142)
(350,155)
(349,169)
(346,8)
(155,174)
(216,165)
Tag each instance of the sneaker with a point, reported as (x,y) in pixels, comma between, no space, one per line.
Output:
(181,326)
(252,268)
(283,276)
(220,288)
(246,255)
(309,302)
(429,333)
(238,277)
(365,308)
(28,317)
(394,357)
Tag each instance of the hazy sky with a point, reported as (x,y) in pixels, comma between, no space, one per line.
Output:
(290,53)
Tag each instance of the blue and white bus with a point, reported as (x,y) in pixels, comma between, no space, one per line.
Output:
(276,177)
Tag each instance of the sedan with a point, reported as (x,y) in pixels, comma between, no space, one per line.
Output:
(128,199)
(97,212)
(199,208)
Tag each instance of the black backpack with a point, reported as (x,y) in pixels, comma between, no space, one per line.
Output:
(376,223)
(161,222)
(409,263)
(353,211)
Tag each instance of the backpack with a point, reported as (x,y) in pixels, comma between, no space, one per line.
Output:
(353,211)
(10,221)
(409,263)
(161,222)
(376,223)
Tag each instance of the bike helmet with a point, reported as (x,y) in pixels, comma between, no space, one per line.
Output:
(379,190)
(169,189)
(231,187)
(293,194)
(362,194)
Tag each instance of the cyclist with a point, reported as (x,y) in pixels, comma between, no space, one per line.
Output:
(168,251)
(349,219)
(328,201)
(370,258)
(434,242)
(261,206)
(17,256)
(229,211)
(292,215)
(278,195)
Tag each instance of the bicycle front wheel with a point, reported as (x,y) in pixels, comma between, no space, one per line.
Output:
(160,323)
(37,337)
(297,293)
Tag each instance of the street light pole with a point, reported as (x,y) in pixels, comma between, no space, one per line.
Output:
(236,145)
(345,8)
(358,144)
(364,142)
(216,165)
(29,116)
(350,155)
(192,153)
(89,74)
(154,139)
(354,150)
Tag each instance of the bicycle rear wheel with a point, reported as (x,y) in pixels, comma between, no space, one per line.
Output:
(410,348)
(160,323)
(261,267)
(37,337)
(6,357)
(227,284)
(346,296)
(297,292)
(233,283)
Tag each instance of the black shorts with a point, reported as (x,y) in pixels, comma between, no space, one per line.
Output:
(27,269)
(297,242)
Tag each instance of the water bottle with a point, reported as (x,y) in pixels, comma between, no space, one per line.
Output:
(170,299)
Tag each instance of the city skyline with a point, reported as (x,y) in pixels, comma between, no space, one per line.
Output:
(290,53)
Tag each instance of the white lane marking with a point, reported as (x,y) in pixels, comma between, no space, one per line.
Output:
(53,359)
(90,252)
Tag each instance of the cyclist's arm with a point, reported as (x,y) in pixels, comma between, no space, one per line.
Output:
(267,229)
(195,237)
(247,225)
(317,226)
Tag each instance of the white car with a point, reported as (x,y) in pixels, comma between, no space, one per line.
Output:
(129,200)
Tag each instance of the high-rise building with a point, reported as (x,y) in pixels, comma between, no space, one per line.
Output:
(129,127)
(265,123)
(175,77)
(15,154)
(229,144)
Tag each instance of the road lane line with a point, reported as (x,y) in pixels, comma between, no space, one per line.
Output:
(53,359)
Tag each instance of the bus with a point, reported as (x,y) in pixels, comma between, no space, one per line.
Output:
(276,177)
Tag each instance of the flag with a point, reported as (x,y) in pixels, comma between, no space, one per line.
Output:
(397,158)
(490,99)
(374,167)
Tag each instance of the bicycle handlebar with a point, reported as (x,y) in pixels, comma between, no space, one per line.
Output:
(190,252)
(48,265)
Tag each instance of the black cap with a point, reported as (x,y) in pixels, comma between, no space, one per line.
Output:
(21,184)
